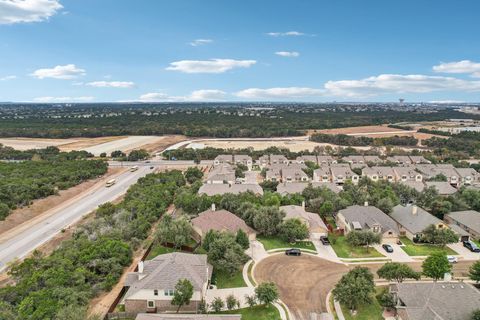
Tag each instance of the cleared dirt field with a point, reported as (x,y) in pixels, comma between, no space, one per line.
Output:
(32,143)
(374,132)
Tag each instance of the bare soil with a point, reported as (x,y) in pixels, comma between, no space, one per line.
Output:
(83,143)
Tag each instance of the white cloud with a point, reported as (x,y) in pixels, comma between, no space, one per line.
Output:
(446,101)
(464,66)
(69,71)
(288,54)
(6,78)
(197,95)
(279,93)
(200,42)
(17,11)
(209,66)
(395,83)
(286,34)
(63,99)
(111,84)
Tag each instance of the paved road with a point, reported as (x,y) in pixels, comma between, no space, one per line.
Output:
(305,281)
(26,241)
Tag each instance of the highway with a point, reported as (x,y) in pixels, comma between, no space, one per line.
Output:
(27,240)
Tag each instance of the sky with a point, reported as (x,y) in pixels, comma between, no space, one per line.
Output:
(220,50)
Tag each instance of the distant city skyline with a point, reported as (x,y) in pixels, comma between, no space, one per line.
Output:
(214,50)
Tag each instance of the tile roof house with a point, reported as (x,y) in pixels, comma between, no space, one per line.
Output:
(152,287)
(211,189)
(435,300)
(412,220)
(285,188)
(368,218)
(315,224)
(220,220)
(467,220)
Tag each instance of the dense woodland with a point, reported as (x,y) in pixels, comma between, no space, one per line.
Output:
(346,140)
(59,286)
(197,120)
(41,173)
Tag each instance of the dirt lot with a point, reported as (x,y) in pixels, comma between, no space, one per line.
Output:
(305,281)
(83,143)
(33,143)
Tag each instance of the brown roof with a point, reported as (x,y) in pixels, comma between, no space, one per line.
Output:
(220,220)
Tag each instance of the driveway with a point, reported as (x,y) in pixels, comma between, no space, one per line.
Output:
(464,252)
(305,281)
(398,255)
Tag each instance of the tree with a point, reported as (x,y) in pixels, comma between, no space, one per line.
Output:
(293,229)
(251,300)
(326,209)
(439,236)
(386,300)
(217,304)
(427,197)
(267,220)
(232,302)
(385,204)
(240,170)
(176,231)
(203,307)
(476,315)
(440,207)
(209,238)
(397,271)
(355,288)
(363,238)
(225,254)
(242,239)
(436,265)
(474,272)
(136,155)
(103,155)
(193,174)
(182,294)
(117,154)
(266,293)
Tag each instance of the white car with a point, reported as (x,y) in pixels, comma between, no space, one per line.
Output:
(452,259)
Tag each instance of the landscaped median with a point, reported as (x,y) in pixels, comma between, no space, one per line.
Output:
(275,243)
(345,250)
(413,249)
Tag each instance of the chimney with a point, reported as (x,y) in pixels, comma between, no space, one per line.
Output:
(303,205)
(414,209)
(213,207)
(366,204)
(140,267)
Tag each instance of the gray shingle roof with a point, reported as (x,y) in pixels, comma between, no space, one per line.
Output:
(470,218)
(415,223)
(218,188)
(437,300)
(443,188)
(314,220)
(298,187)
(164,271)
(367,216)
(220,220)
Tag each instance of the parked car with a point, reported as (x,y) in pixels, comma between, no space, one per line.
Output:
(471,246)
(452,259)
(324,240)
(387,248)
(151,167)
(293,252)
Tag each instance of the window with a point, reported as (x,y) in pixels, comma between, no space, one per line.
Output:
(171,292)
(150,304)
(155,292)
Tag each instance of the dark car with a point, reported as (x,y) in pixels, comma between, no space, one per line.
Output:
(151,167)
(387,248)
(324,240)
(471,246)
(293,252)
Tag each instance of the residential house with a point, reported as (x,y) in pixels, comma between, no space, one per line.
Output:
(211,189)
(223,159)
(342,173)
(431,170)
(273,174)
(286,188)
(400,160)
(412,220)
(263,161)
(221,174)
(307,158)
(407,173)
(354,159)
(292,174)
(322,174)
(243,159)
(379,173)
(468,176)
(151,288)
(443,188)
(373,159)
(368,218)
(467,220)
(278,159)
(326,160)
(419,160)
(219,220)
(315,224)
(435,300)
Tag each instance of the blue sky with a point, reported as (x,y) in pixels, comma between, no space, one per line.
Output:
(186,50)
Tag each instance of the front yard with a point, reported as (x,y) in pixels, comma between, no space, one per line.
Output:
(257,313)
(344,250)
(223,280)
(413,249)
(372,311)
(270,243)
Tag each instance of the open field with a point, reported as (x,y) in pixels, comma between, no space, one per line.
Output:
(34,143)
(374,132)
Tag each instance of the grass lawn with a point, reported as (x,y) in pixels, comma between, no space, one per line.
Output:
(372,311)
(276,243)
(223,280)
(477,242)
(344,250)
(413,249)
(257,313)
(158,249)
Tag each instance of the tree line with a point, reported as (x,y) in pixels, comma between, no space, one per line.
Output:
(346,140)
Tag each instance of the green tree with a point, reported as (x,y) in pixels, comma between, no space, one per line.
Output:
(397,271)
(266,293)
(117,154)
(436,265)
(363,238)
(232,302)
(355,288)
(210,237)
(386,299)
(136,155)
(474,272)
(217,304)
(326,209)
(476,315)
(176,231)
(427,197)
(225,254)
(385,204)
(438,236)
(251,300)
(440,207)
(182,294)
(193,174)
(103,155)
(267,220)
(292,230)
(242,239)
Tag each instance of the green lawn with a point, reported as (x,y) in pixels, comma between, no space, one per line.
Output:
(270,243)
(477,242)
(372,311)
(257,313)
(344,250)
(223,280)
(158,249)
(413,249)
